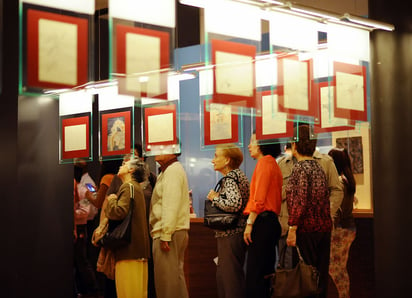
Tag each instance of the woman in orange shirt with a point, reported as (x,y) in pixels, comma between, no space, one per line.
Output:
(263,229)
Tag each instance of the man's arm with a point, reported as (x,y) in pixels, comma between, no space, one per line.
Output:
(335,186)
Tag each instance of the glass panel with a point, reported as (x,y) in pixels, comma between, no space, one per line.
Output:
(161,128)
(56,48)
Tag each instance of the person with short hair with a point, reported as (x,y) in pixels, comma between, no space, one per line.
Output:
(262,231)
(170,223)
(307,196)
(131,273)
(232,196)
(286,164)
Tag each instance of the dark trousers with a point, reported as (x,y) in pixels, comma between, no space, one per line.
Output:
(84,273)
(315,250)
(261,255)
(230,276)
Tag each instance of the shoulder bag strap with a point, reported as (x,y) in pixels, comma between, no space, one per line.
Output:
(131,191)
(219,184)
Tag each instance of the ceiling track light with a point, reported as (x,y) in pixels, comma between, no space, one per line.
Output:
(309,12)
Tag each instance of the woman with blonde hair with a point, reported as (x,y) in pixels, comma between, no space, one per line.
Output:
(232,196)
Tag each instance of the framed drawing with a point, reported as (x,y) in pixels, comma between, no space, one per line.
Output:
(115,132)
(357,142)
(325,93)
(270,123)
(234,80)
(220,123)
(295,83)
(75,136)
(56,49)
(350,91)
(160,125)
(143,54)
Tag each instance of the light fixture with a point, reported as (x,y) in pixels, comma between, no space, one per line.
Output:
(306,11)
(326,15)
(368,22)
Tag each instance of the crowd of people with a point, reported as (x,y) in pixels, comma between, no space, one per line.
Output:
(301,198)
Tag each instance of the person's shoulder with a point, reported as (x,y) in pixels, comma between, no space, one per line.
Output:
(176,166)
(321,156)
(284,160)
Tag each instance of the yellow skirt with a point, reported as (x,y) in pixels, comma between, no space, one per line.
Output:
(131,278)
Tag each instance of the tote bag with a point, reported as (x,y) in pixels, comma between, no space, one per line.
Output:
(300,281)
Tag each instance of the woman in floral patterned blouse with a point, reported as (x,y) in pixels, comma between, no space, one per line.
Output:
(232,196)
(307,196)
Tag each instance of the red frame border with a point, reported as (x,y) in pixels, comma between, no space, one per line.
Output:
(240,49)
(318,127)
(259,121)
(65,122)
(105,116)
(121,31)
(356,70)
(206,126)
(33,17)
(280,87)
(160,110)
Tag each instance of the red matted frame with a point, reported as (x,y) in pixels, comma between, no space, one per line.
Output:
(32,44)
(163,36)
(354,70)
(312,104)
(317,128)
(259,122)
(106,119)
(160,110)
(239,49)
(206,126)
(72,121)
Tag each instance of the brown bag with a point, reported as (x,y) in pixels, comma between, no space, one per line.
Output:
(300,281)
(106,263)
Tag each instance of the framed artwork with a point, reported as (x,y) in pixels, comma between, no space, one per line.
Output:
(350,91)
(145,52)
(234,80)
(220,123)
(295,84)
(160,126)
(325,93)
(115,132)
(75,136)
(355,149)
(270,123)
(357,142)
(56,49)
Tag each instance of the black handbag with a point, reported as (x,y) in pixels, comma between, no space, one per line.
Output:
(217,219)
(301,281)
(120,231)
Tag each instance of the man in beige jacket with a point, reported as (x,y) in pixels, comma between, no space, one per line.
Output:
(170,222)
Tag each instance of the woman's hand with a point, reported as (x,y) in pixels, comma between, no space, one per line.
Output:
(247,234)
(291,240)
(112,197)
(212,194)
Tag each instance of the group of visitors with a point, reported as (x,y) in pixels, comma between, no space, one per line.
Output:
(152,264)
(302,198)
